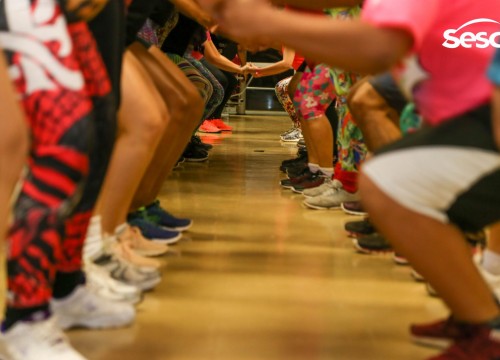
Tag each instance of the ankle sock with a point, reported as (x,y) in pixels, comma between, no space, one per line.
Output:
(66,283)
(491,262)
(14,315)
(313,167)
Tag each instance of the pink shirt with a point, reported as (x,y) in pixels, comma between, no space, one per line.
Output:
(444,82)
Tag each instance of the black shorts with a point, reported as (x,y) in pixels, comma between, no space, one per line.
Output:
(450,172)
(387,88)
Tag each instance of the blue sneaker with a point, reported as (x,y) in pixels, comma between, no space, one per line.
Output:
(157,215)
(155,233)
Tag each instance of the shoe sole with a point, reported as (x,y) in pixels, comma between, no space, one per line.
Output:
(398,260)
(366,251)
(352,212)
(169,241)
(179,229)
(316,207)
(151,253)
(290,141)
(98,324)
(297,191)
(197,160)
(440,344)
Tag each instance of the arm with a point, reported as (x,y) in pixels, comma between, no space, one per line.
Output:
(351,45)
(280,66)
(214,57)
(193,10)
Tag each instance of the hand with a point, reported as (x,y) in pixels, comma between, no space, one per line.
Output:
(83,9)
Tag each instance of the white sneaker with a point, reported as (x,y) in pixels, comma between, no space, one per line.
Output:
(85,308)
(39,340)
(331,199)
(143,278)
(320,190)
(105,286)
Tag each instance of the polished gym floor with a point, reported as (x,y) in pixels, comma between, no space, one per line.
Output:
(259,277)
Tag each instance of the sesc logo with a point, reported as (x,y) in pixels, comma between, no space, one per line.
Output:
(480,40)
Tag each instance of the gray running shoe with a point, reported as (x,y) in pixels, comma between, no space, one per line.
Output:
(320,190)
(331,199)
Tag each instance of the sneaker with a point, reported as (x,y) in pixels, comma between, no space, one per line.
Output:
(430,290)
(144,279)
(293,136)
(193,153)
(296,169)
(208,127)
(221,125)
(372,244)
(123,250)
(39,340)
(400,259)
(105,286)
(320,190)
(196,140)
(315,180)
(416,276)
(292,129)
(300,159)
(304,175)
(359,228)
(438,334)
(353,208)
(161,217)
(480,342)
(133,237)
(301,144)
(331,199)
(154,232)
(85,308)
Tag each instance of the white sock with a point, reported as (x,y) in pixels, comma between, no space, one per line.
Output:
(491,262)
(313,167)
(327,171)
(93,247)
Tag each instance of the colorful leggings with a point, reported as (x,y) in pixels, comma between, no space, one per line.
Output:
(55,77)
(350,143)
(202,84)
(281,89)
(218,91)
(315,92)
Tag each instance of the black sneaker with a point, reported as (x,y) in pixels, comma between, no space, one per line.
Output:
(288,183)
(300,159)
(301,144)
(196,140)
(194,154)
(359,228)
(312,181)
(371,244)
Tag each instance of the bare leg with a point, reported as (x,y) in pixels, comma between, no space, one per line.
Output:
(186,108)
(13,145)
(321,135)
(141,123)
(378,122)
(438,251)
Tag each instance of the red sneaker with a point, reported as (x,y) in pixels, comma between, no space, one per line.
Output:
(439,334)
(209,127)
(221,125)
(481,343)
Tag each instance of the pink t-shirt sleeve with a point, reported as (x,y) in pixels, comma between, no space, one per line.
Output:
(410,15)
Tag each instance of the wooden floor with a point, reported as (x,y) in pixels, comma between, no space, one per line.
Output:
(259,277)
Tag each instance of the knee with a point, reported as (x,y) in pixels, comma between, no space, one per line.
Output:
(153,124)
(363,100)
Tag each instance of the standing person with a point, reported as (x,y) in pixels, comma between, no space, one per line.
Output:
(56,92)
(424,207)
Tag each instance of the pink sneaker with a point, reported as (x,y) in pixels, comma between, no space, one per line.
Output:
(209,127)
(221,125)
